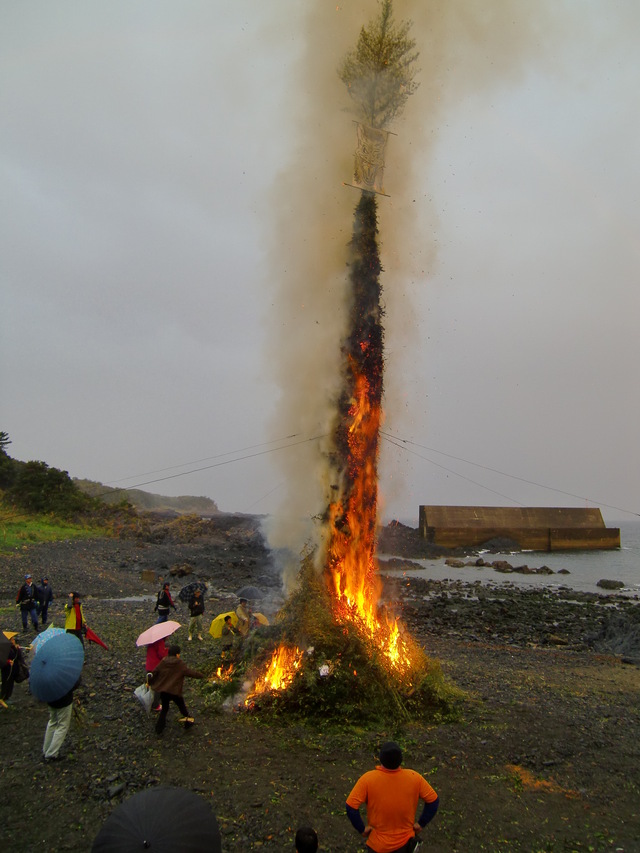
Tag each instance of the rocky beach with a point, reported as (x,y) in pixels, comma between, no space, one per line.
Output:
(543,757)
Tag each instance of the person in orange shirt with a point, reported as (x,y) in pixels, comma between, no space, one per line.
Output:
(391,796)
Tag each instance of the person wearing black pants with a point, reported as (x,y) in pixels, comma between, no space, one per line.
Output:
(165,700)
(167,679)
(27,600)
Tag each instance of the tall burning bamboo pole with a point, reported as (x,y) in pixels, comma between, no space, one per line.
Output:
(379,76)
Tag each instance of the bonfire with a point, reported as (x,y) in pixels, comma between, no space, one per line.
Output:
(335,649)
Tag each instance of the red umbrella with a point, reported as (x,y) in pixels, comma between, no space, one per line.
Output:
(157,632)
(94,638)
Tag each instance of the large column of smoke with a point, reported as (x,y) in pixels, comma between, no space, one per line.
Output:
(464,45)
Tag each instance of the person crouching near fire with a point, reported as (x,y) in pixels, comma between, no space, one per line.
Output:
(167,679)
(391,796)
(227,635)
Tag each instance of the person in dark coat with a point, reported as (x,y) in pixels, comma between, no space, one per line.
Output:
(164,603)
(44,595)
(14,671)
(196,609)
(27,600)
(167,679)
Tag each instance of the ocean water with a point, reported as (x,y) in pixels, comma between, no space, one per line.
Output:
(585,568)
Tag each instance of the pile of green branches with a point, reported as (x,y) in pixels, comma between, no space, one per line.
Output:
(343,675)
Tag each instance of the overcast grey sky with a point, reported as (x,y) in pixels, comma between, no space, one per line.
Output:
(173,234)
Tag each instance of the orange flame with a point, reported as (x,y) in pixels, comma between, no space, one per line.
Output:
(353,578)
(280,671)
(222,674)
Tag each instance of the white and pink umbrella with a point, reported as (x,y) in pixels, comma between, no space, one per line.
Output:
(157,632)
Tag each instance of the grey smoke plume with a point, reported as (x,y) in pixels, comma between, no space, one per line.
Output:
(464,46)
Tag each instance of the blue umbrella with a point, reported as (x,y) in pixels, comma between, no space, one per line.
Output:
(44,637)
(56,667)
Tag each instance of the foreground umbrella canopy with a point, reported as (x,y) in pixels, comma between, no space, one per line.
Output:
(56,667)
(260,618)
(45,636)
(163,820)
(187,591)
(216,626)
(251,593)
(157,632)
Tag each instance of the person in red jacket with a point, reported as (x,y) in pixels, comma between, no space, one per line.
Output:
(155,653)
(168,679)
(391,795)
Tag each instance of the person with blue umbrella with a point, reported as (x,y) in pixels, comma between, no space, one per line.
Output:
(54,675)
(60,711)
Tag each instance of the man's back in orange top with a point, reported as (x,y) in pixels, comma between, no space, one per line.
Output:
(391,797)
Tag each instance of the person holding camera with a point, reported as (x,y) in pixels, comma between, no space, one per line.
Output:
(196,609)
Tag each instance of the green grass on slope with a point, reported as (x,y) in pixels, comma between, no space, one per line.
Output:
(19,528)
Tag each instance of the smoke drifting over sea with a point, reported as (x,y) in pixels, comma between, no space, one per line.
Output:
(464,47)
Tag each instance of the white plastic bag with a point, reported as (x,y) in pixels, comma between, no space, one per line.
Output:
(145,695)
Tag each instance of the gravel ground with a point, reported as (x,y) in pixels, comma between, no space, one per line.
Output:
(544,759)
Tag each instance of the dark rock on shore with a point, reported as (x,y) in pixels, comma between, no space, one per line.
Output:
(477,612)
(610,584)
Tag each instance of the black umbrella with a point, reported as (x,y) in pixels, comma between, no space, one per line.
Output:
(163,820)
(251,593)
(187,591)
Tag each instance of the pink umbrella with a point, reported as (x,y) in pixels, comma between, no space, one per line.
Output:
(157,632)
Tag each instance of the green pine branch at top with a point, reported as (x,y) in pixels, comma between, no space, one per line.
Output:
(379,72)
